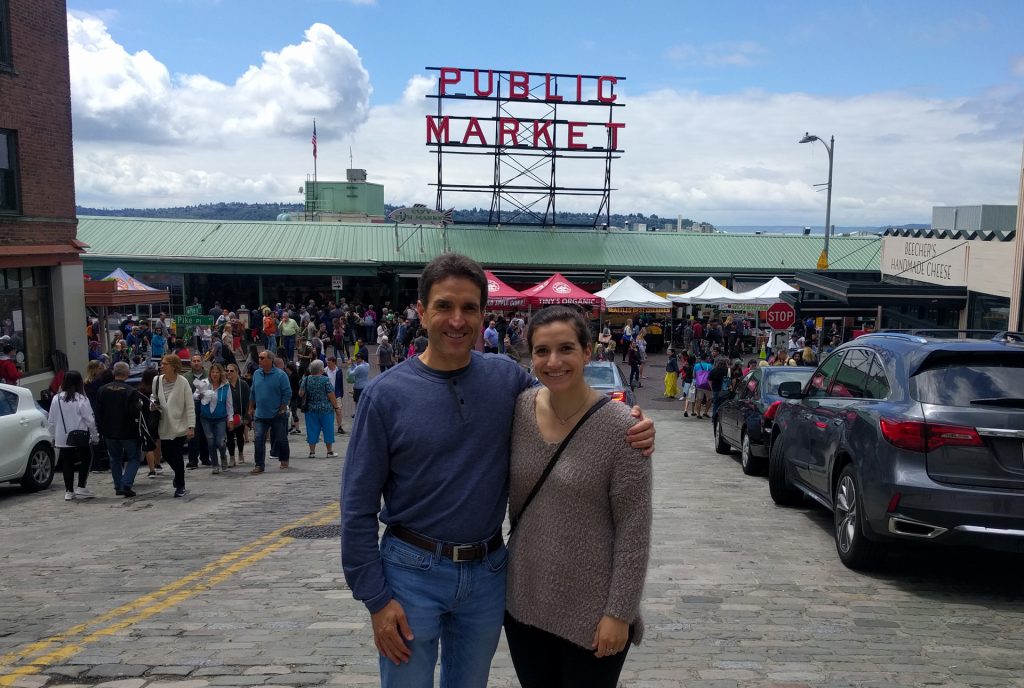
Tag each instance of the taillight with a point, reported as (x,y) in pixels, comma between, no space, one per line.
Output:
(769,413)
(920,436)
(617,396)
(894,502)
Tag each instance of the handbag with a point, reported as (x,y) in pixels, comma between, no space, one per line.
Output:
(551,463)
(78,439)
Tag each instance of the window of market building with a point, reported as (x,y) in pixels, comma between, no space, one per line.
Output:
(25,316)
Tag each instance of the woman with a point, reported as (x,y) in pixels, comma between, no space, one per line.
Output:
(304,353)
(322,404)
(641,347)
(151,450)
(340,340)
(172,396)
(158,344)
(385,354)
(120,353)
(578,558)
(217,413)
(627,338)
(227,352)
(671,375)
(70,410)
(633,356)
(240,402)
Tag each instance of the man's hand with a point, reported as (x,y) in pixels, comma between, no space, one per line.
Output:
(190,433)
(611,637)
(389,628)
(641,435)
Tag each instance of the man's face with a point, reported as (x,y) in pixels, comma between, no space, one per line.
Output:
(266,362)
(452,318)
(197,363)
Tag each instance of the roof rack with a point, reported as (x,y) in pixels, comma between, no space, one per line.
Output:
(970,333)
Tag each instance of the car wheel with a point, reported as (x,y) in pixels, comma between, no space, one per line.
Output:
(782,491)
(750,464)
(40,469)
(855,550)
(721,446)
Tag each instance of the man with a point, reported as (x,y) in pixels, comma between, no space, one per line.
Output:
(333,373)
(358,374)
(421,341)
(491,339)
(433,437)
(288,329)
(198,451)
(9,373)
(268,408)
(118,407)
(216,311)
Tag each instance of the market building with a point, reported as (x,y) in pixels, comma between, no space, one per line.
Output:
(41,282)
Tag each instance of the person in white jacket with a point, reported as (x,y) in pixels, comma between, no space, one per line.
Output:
(172,396)
(69,411)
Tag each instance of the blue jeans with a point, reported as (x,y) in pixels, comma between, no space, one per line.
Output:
(216,430)
(460,605)
(289,347)
(124,461)
(271,343)
(279,435)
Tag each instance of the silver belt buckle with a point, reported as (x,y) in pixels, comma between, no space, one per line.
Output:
(456,553)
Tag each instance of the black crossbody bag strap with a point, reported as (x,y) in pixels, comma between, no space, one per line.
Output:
(554,459)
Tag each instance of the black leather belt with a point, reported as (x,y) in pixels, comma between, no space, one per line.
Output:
(457,553)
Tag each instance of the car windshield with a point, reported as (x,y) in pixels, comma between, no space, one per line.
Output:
(970,382)
(777,378)
(599,375)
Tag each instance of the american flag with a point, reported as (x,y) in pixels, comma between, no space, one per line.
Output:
(314,139)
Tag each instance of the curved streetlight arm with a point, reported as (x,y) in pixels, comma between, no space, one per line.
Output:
(830,147)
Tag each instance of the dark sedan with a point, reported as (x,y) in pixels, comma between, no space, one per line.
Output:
(605,377)
(745,420)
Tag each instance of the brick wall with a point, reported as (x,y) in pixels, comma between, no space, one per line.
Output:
(35,101)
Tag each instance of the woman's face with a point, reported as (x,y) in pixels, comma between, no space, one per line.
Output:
(215,376)
(168,369)
(558,358)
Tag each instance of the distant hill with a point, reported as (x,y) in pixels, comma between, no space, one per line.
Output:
(260,212)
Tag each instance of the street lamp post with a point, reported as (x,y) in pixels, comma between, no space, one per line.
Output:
(830,147)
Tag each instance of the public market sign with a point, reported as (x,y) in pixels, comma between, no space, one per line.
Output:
(526,87)
(935,261)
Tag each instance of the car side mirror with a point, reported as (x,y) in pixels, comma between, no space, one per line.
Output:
(791,390)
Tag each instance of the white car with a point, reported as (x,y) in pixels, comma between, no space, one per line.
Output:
(26,450)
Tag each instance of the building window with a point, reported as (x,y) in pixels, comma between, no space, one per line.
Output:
(25,316)
(8,171)
(5,35)
(988,312)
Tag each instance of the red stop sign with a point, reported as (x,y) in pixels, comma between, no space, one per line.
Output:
(780,316)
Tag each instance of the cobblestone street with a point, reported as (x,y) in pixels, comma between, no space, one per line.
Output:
(213,590)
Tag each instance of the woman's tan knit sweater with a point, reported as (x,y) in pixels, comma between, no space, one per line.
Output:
(580,551)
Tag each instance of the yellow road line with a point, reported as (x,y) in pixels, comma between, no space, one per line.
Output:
(157,601)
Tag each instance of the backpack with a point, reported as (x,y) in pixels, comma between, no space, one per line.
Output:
(701,379)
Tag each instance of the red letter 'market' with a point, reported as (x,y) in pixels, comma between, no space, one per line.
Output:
(437,131)
(473,129)
(510,126)
(575,133)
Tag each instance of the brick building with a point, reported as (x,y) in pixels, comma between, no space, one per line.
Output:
(41,283)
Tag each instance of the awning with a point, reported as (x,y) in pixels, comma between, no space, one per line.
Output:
(710,291)
(500,295)
(628,295)
(557,290)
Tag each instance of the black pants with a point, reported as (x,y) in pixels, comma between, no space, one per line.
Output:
(236,439)
(72,458)
(544,660)
(173,453)
(197,449)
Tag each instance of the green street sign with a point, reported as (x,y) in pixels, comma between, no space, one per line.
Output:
(193,320)
(194,310)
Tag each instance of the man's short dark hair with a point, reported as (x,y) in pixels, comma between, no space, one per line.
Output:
(452,265)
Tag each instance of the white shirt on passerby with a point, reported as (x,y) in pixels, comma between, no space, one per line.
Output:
(66,416)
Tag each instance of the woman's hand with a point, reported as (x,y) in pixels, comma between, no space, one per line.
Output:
(611,637)
(641,435)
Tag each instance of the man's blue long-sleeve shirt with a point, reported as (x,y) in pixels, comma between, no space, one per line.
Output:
(435,445)
(270,391)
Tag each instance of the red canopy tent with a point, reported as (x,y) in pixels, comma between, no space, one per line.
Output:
(557,290)
(501,296)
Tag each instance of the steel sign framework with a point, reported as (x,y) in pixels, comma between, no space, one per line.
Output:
(527,122)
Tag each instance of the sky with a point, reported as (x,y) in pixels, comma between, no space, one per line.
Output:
(181,102)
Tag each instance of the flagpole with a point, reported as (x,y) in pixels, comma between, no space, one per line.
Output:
(314,157)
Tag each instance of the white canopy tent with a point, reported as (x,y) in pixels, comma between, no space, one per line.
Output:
(710,291)
(768,293)
(628,293)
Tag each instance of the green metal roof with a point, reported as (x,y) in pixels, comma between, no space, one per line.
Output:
(360,249)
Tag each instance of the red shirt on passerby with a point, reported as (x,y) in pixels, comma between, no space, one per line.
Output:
(9,372)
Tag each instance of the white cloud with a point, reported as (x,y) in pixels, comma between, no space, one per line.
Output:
(730,54)
(145,138)
(1017,66)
